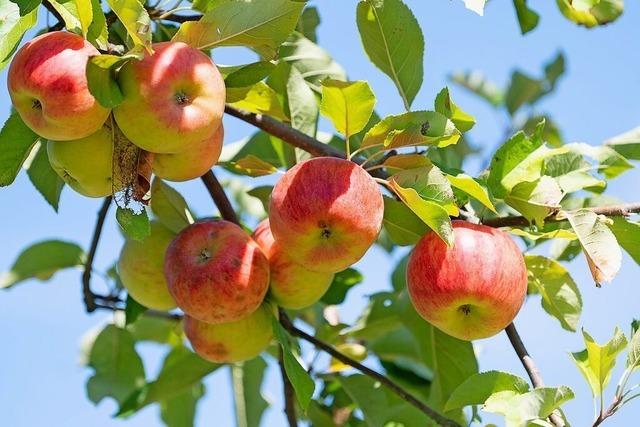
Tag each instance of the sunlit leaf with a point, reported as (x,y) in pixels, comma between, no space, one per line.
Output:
(404,227)
(535,200)
(135,19)
(247,379)
(16,142)
(44,178)
(591,13)
(479,387)
(169,206)
(471,187)
(535,405)
(445,105)
(628,235)
(347,104)
(413,128)
(13,26)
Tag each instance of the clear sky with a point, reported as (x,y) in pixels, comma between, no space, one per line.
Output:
(41,381)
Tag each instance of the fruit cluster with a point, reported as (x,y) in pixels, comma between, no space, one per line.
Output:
(173,102)
(324,213)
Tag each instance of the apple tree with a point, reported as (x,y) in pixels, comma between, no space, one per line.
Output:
(132,86)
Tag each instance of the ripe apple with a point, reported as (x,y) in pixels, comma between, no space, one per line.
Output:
(48,87)
(85,164)
(191,163)
(472,290)
(292,286)
(173,99)
(326,212)
(216,272)
(141,268)
(233,341)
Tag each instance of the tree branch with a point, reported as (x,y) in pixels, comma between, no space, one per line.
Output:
(431,413)
(219,197)
(612,210)
(87,293)
(60,24)
(289,402)
(529,366)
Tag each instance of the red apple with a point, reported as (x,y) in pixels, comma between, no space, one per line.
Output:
(325,213)
(48,87)
(292,286)
(216,272)
(234,341)
(192,163)
(472,290)
(173,99)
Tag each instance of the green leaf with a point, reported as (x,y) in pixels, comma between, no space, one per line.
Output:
(535,200)
(41,261)
(404,227)
(628,235)
(261,25)
(262,193)
(253,166)
(16,142)
(393,41)
(627,144)
(169,206)
(135,19)
(633,349)
(259,99)
(445,105)
(301,103)
(262,145)
(479,387)
(596,361)
(431,184)
(101,79)
(598,244)
(520,409)
(248,75)
(16,20)
(156,329)
(27,6)
(44,178)
(411,129)
(431,213)
(136,226)
(300,379)
(247,381)
(473,188)
(342,282)
(118,368)
(97,32)
(308,23)
(527,17)
(347,104)
(571,172)
(560,233)
(611,163)
(379,405)
(180,411)
(560,294)
(132,310)
(181,370)
(591,13)
(313,62)
(479,85)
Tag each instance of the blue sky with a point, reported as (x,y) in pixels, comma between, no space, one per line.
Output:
(41,381)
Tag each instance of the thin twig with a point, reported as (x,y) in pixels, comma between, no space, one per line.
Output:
(60,24)
(529,365)
(219,197)
(408,397)
(87,293)
(612,210)
(289,396)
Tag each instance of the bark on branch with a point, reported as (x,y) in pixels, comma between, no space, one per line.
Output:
(88,295)
(219,197)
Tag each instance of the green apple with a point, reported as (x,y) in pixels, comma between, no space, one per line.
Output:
(85,164)
(233,341)
(141,268)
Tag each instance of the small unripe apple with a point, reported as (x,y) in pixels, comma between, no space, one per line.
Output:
(472,290)
(191,163)
(141,268)
(292,286)
(86,163)
(325,213)
(48,87)
(173,98)
(216,272)
(233,341)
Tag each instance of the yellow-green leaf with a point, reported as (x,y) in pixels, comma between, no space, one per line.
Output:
(470,186)
(135,19)
(254,166)
(347,104)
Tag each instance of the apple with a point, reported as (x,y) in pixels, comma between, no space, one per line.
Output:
(141,268)
(326,212)
(472,290)
(85,164)
(216,272)
(48,87)
(292,286)
(233,341)
(192,163)
(173,98)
